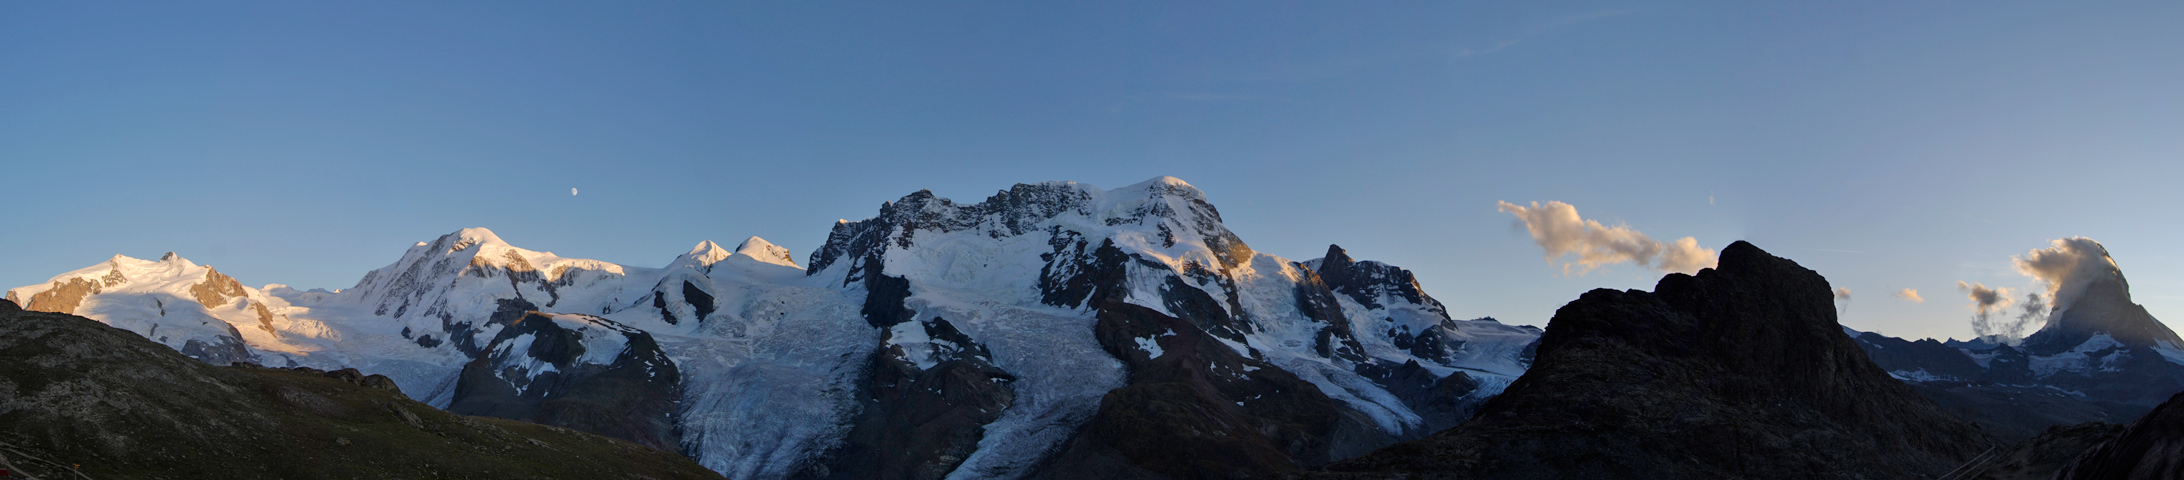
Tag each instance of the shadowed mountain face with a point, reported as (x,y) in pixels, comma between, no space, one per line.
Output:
(73,391)
(1738,372)
(585,373)
(2151,447)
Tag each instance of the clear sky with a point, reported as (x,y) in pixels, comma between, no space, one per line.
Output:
(1887,145)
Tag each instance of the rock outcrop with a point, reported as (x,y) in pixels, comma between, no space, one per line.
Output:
(580,372)
(1195,408)
(1738,372)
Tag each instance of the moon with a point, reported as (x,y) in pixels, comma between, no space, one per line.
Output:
(572,192)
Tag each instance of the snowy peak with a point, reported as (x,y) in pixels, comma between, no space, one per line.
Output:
(701,257)
(761,250)
(470,271)
(2091,297)
(1165,186)
(1164,216)
(709,251)
(465,238)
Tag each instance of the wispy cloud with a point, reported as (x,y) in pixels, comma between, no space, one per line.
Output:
(1911,294)
(1559,231)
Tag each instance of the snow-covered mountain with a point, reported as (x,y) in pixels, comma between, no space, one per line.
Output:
(2099,357)
(997,339)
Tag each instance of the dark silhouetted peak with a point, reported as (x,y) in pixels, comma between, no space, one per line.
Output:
(1738,371)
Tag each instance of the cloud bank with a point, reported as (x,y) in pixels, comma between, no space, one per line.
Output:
(1911,294)
(2067,266)
(1559,231)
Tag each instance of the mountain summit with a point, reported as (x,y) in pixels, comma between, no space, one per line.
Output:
(2091,298)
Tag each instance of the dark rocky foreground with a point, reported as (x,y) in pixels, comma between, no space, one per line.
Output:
(2151,447)
(2036,458)
(77,392)
(1738,372)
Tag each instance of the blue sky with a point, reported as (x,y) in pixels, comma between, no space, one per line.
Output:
(1885,145)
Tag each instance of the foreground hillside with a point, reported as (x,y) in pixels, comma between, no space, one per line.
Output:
(76,392)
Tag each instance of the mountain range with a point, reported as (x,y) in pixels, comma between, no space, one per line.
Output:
(1059,330)
(1043,328)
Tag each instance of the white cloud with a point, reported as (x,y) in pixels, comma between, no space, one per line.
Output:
(1911,294)
(1559,231)
(2067,267)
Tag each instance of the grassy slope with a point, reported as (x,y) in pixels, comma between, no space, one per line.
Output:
(76,391)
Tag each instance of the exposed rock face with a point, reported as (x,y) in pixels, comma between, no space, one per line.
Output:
(1738,372)
(78,392)
(2151,447)
(221,350)
(1442,401)
(63,297)
(217,289)
(1197,409)
(921,423)
(1386,300)
(1369,283)
(585,373)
